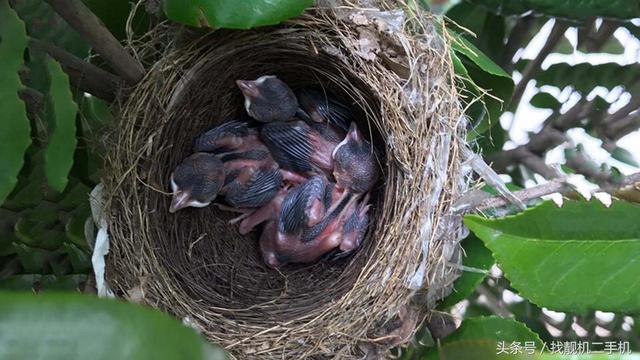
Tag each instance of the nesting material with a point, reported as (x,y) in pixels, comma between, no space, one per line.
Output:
(193,264)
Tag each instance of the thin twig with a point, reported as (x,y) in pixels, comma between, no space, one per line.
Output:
(514,42)
(582,163)
(557,185)
(631,106)
(83,75)
(489,175)
(33,99)
(594,39)
(623,127)
(552,134)
(537,164)
(493,303)
(557,32)
(102,41)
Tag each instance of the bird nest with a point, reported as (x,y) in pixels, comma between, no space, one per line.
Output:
(394,67)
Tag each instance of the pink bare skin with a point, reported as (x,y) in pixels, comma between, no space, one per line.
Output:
(322,150)
(352,239)
(316,213)
(267,212)
(278,245)
(292,177)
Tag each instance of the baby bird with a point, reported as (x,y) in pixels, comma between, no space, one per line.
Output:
(227,137)
(317,106)
(282,243)
(301,147)
(196,181)
(252,177)
(304,206)
(354,163)
(354,221)
(355,225)
(268,212)
(296,209)
(268,99)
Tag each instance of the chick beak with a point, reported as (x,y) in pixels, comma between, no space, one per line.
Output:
(179,201)
(248,88)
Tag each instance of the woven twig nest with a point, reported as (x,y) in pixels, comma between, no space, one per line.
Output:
(394,67)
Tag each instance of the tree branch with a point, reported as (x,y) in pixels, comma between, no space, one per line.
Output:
(612,127)
(557,185)
(537,164)
(557,32)
(552,134)
(514,42)
(102,41)
(545,140)
(33,99)
(572,117)
(631,106)
(83,75)
(493,303)
(489,175)
(594,39)
(623,126)
(582,164)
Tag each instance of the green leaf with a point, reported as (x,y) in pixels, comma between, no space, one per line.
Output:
(494,328)
(463,46)
(74,197)
(8,220)
(71,326)
(114,14)
(34,234)
(95,117)
(62,283)
(468,349)
(634,30)
(488,28)
(572,9)
(80,260)
(564,46)
(530,315)
(544,100)
(493,140)
(483,73)
(489,329)
(95,112)
(45,24)
(26,282)
(611,46)
(623,155)
(74,228)
(499,90)
(15,136)
(231,13)
(25,195)
(58,156)
(470,95)
(33,260)
(583,77)
(474,310)
(577,258)
(471,16)
(478,257)
(21,282)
